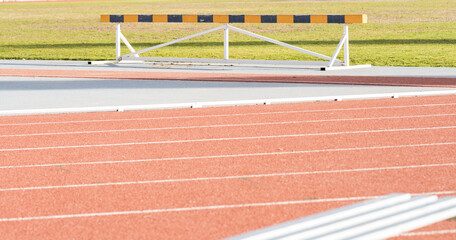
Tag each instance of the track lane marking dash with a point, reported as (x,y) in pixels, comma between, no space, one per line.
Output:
(229,115)
(230,177)
(201,208)
(225,139)
(225,125)
(439,232)
(228,156)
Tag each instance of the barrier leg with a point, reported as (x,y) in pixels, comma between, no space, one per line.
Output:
(346,48)
(346,64)
(226,43)
(339,47)
(118,34)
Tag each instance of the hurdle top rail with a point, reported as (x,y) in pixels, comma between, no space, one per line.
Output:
(169,18)
(331,64)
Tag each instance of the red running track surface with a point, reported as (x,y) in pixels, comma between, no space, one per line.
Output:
(235,77)
(216,172)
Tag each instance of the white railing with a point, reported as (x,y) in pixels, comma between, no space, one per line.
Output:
(380,218)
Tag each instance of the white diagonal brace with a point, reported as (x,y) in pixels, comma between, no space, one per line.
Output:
(122,37)
(339,47)
(174,41)
(279,43)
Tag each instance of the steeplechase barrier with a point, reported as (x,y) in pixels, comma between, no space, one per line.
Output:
(331,63)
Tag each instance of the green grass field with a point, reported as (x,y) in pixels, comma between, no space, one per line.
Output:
(398,33)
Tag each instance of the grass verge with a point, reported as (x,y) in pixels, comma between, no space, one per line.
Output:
(399,33)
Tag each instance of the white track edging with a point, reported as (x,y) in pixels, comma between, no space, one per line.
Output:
(222,103)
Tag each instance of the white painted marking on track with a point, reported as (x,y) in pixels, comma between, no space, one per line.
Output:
(149,211)
(439,232)
(228,156)
(226,139)
(226,125)
(227,115)
(200,208)
(230,177)
(435,193)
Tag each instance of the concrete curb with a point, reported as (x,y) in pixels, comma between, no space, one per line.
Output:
(221,103)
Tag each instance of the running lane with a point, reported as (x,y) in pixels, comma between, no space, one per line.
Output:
(216,172)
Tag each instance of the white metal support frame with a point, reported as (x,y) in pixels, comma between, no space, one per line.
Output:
(346,47)
(226,42)
(120,37)
(379,218)
(331,63)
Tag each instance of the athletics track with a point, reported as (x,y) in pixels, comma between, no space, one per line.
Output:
(217,172)
(211,173)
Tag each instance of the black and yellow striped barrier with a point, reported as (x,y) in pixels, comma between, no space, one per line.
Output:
(168,18)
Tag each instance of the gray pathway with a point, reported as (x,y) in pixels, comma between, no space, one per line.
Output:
(30,95)
(22,93)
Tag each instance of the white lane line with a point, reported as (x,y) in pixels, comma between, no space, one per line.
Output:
(226,139)
(200,208)
(227,125)
(439,232)
(228,115)
(228,156)
(166,210)
(229,177)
